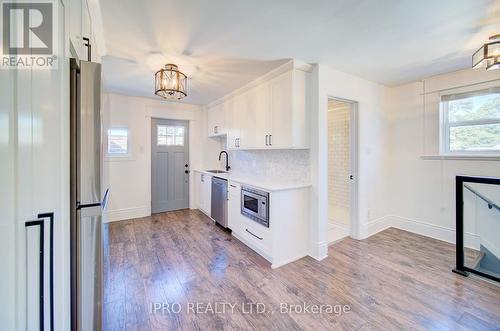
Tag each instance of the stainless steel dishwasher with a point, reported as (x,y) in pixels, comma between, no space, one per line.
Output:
(219,201)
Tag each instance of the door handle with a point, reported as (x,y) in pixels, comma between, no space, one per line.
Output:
(351,177)
(270,140)
(267,137)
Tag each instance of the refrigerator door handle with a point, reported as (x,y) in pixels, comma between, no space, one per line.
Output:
(87,205)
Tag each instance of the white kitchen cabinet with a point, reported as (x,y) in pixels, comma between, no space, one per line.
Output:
(80,26)
(288,214)
(216,119)
(203,186)
(256,122)
(237,117)
(270,114)
(75,25)
(289,110)
(234,206)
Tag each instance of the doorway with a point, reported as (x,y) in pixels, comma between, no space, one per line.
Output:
(169,165)
(342,149)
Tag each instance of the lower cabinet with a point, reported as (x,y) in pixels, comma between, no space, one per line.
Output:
(203,187)
(234,206)
(286,238)
(259,237)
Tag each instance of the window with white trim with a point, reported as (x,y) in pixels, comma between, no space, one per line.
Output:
(169,135)
(471,122)
(118,142)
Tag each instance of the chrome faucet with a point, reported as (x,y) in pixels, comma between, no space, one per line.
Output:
(227,159)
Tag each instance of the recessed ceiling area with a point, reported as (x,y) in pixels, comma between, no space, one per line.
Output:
(223,44)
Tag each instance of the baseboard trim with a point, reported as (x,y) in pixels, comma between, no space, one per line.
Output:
(276,265)
(433,231)
(377,225)
(128,213)
(320,251)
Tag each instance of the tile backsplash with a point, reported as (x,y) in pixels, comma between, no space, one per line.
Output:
(283,165)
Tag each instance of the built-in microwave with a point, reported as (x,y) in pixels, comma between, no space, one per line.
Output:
(255,205)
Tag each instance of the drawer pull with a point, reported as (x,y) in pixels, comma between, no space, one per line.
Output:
(232,185)
(254,235)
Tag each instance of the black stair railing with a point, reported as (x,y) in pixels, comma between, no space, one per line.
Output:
(461,183)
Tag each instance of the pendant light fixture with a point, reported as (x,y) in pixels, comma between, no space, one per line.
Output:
(170,83)
(488,56)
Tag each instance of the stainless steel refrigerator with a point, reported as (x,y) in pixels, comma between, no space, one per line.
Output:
(86,203)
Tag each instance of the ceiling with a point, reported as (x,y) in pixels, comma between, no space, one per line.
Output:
(223,44)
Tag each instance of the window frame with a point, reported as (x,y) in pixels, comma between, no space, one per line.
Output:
(174,136)
(118,155)
(445,125)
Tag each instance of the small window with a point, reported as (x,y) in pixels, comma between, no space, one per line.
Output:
(170,135)
(118,142)
(471,122)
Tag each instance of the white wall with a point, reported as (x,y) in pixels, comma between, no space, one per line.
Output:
(422,189)
(129,179)
(373,152)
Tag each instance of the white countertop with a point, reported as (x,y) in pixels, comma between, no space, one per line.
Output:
(263,184)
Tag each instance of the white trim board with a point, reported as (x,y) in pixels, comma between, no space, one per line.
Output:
(422,228)
(376,225)
(128,213)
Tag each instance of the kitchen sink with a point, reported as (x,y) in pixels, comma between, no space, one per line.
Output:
(217,171)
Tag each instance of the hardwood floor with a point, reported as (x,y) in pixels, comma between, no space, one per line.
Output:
(393,280)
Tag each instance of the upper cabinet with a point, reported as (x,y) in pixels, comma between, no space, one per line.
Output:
(289,110)
(270,113)
(80,27)
(216,120)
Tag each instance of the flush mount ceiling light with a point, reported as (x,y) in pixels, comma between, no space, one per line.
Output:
(170,83)
(488,55)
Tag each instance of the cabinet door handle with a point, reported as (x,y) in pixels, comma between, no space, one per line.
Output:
(232,185)
(89,48)
(267,137)
(254,235)
(270,140)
